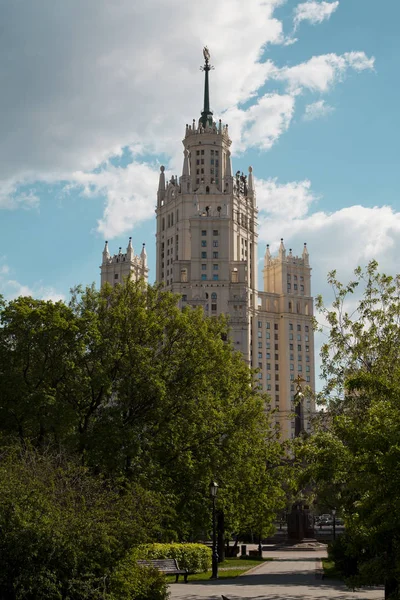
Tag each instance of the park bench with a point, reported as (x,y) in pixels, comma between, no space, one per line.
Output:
(168,566)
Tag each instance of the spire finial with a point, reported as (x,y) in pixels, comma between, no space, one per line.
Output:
(206,114)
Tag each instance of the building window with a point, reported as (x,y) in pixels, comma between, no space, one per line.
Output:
(259,324)
(276,326)
(307,348)
(307,368)
(308,379)
(268,369)
(203,232)
(299,337)
(213,307)
(268,376)
(203,243)
(268,355)
(204,267)
(215,243)
(268,325)
(215,232)
(215,267)
(260,355)
(214,296)
(290,336)
(116,276)
(299,347)
(290,346)
(276,367)
(269,387)
(215,254)
(291,326)
(299,357)
(204,255)
(295,286)
(204,277)
(298,327)
(291,366)
(299,368)
(260,344)
(277,387)
(184,298)
(259,333)
(267,335)
(215,277)
(306,328)
(276,356)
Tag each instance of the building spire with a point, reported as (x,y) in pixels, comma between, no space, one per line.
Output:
(206,114)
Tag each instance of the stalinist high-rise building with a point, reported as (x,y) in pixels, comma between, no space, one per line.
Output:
(207,245)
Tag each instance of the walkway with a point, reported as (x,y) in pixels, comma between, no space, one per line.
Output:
(290,576)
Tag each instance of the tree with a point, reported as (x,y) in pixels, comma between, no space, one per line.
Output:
(63,533)
(354,455)
(143,391)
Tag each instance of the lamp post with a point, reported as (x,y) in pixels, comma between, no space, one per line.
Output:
(334,523)
(298,409)
(213,493)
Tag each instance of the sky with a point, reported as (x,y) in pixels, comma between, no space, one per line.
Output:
(95,96)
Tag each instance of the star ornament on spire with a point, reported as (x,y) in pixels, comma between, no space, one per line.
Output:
(207,56)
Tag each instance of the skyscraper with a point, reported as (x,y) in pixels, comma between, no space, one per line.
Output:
(207,253)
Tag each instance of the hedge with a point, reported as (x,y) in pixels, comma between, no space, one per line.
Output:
(196,558)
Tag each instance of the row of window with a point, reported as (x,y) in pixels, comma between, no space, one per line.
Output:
(204,232)
(289,277)
(213,152)
(204,243)
(214,255)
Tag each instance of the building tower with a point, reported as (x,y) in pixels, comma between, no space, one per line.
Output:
(115,269)
(207,253)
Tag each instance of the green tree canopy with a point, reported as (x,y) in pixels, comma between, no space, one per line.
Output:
(141,390)
(353,456)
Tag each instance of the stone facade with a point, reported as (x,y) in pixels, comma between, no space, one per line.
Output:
(115,269)
(207,253)
(207,245)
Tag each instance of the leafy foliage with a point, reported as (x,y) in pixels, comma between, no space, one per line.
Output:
(62,531)
(354,455)
(196,558)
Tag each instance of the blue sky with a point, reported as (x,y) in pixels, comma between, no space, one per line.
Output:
(96,94)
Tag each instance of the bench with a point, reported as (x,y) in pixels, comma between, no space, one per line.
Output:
(168,566)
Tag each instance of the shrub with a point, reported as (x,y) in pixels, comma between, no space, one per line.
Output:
(196,558)
(131,582)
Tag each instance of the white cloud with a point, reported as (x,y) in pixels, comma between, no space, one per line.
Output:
(102,76)
(10,288)
(11,197)
(294,198)
(314,12)
(317,110)
(320,72)
(262,124)
(130,194)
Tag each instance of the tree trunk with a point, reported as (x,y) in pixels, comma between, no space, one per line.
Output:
(391,589)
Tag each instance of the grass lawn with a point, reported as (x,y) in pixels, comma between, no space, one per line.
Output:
(330,570)
(230,568)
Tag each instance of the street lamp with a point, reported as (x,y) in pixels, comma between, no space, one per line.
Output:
(213,493)
(334,523)
(298,409)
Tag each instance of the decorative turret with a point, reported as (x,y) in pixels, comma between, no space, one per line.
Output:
(250,183)
(161,186)
(282,250)
(305,254)
(106,253)
(129,251)
(186,168)
(267,256)
(143,256)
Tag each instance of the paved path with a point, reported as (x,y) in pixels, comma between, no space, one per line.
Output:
(290,576)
